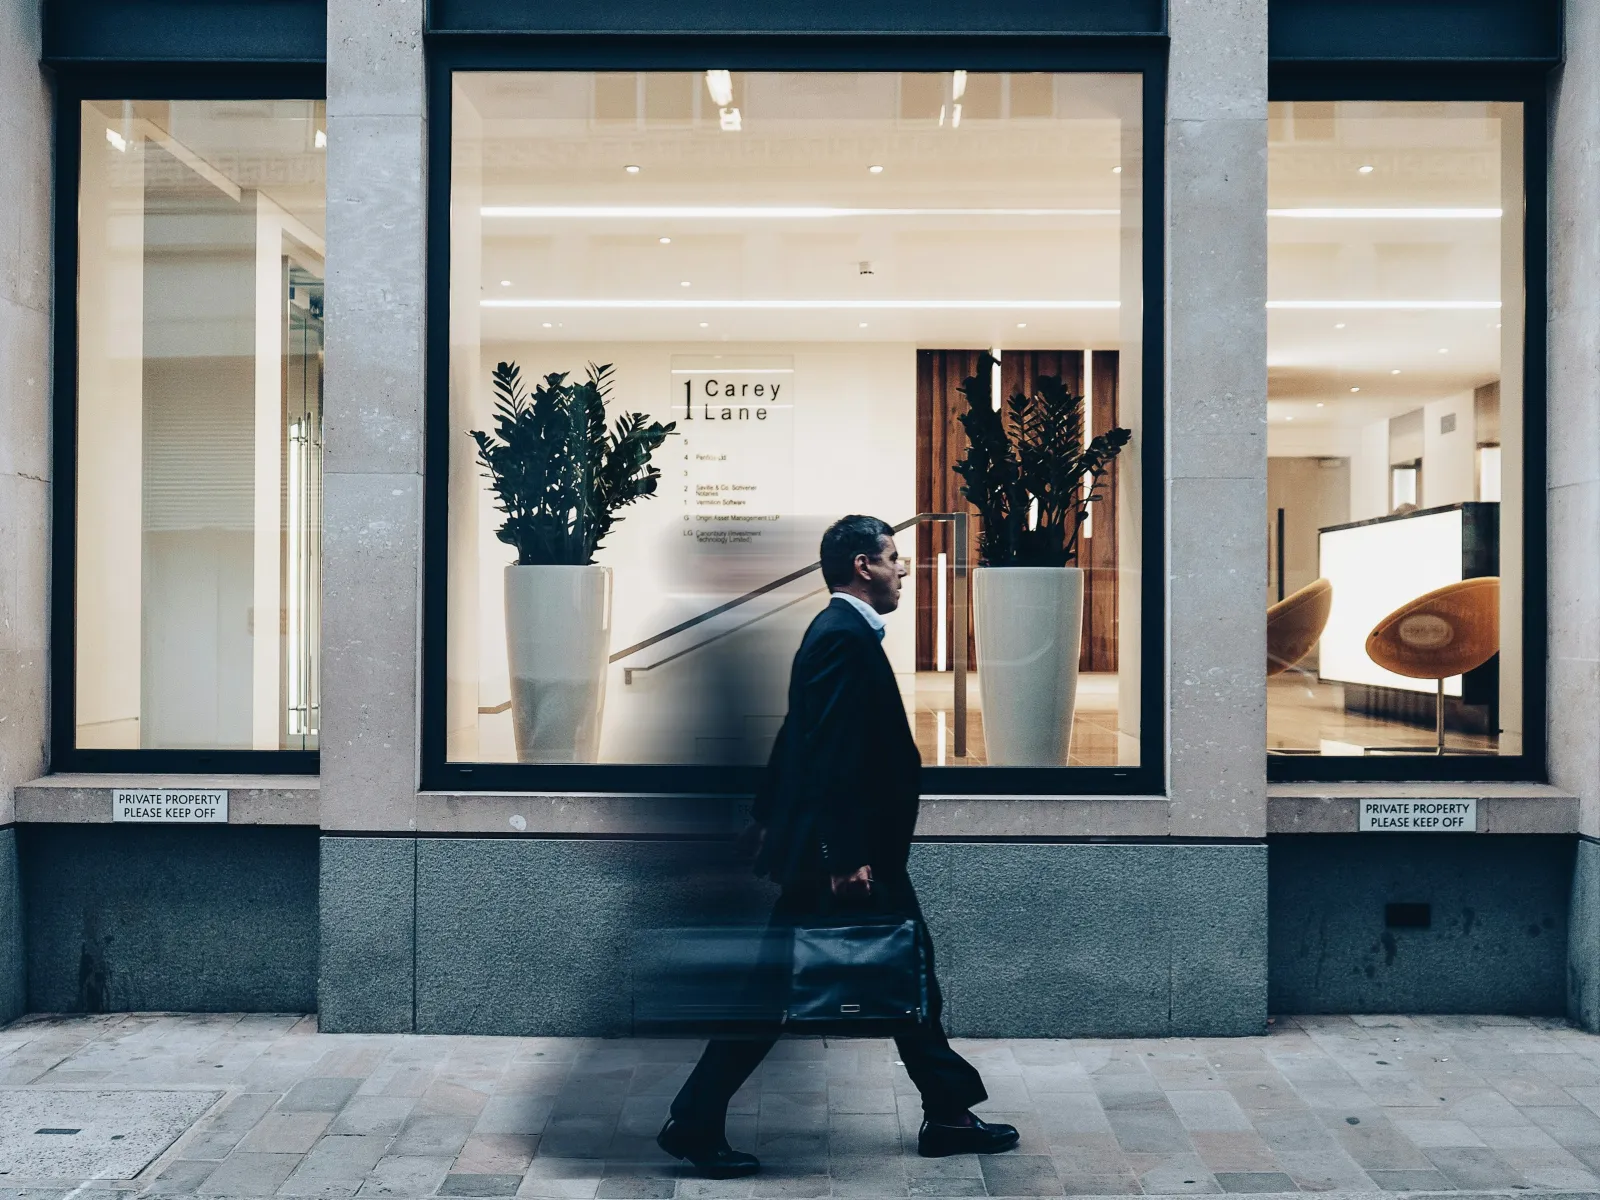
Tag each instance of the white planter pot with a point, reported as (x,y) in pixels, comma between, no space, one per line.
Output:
(558,640)
(1029,626)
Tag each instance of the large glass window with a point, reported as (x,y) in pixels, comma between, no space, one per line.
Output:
(199,424)
(813,278)
(1395,436)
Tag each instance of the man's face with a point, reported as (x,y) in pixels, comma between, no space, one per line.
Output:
(882,575)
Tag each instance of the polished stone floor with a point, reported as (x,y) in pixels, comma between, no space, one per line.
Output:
(1335,1105)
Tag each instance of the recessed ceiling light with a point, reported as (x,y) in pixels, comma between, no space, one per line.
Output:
(1319,404)
(1022,324)
(1355,389)
(1365,169)
(705,324)
(547,325)
(720,85)
(863,325)
(632,168)
(1340,325)
(1288,418)
(875,169)
(1497,326)
(665,241)
(684,283)
(505,283)
(1396,371)
(1444,350)
(1116,170)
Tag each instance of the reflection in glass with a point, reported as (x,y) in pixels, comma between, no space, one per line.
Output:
(1395,428)
(199,424)
(800,270)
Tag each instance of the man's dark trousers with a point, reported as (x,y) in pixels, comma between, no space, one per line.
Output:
(949,1083)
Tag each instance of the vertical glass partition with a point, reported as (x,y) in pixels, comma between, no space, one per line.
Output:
(812,277)
(199,424)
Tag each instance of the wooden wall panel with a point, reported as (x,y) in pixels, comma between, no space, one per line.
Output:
(941,442)
(1098,556)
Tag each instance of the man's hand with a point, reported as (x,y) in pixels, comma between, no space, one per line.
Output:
(857,883)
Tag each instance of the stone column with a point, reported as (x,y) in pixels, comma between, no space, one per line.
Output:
(1216,431)
(376,327)
(1573,413)
(25,257)
(1216,434)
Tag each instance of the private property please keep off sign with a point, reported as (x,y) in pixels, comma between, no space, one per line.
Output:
(1419,816)
(169,804)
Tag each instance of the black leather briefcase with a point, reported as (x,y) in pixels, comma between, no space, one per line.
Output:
(861,979)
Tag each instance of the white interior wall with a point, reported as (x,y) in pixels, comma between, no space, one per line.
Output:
(470,392)
(267,616)
(1369,472)
(110,421)
(200,494)
(1449,460)
(852,450)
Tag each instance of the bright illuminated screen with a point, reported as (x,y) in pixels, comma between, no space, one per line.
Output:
(1375,569)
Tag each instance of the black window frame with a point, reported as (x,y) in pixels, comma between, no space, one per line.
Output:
(1058,52)
(1527,85)
(75,83)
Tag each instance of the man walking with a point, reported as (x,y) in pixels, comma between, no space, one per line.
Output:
(836,817)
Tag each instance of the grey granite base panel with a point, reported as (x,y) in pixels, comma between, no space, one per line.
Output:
(1583,939)
(1497,942)
(129,918)
(369,906)
(13,959)
(1087,940)
(532,936)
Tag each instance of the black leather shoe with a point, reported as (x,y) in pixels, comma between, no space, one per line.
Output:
(712,1157)
(941,1141)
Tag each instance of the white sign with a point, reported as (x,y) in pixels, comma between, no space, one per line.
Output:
(736,440)
(1419,816)
(169,804)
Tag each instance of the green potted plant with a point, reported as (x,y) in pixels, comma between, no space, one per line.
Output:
(561,477)
(1032,477)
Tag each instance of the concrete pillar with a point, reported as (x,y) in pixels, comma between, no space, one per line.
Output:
(376,335)
(25,127)
(1216,384)
(1216,438)
(1573,511)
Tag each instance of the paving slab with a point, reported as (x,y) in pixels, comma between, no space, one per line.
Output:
(216,1105)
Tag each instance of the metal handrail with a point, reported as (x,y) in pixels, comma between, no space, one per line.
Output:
(961,522)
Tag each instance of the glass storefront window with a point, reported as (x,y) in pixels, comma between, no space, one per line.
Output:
(811,277)
(1395,429)
(199,425)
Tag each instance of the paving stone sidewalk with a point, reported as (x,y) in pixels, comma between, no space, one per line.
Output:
(1335,1105)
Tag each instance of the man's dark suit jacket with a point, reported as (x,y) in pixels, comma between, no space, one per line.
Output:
(841,788)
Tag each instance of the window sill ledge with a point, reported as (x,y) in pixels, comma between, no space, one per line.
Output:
(590,814)
(79,799)
(1502,807)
